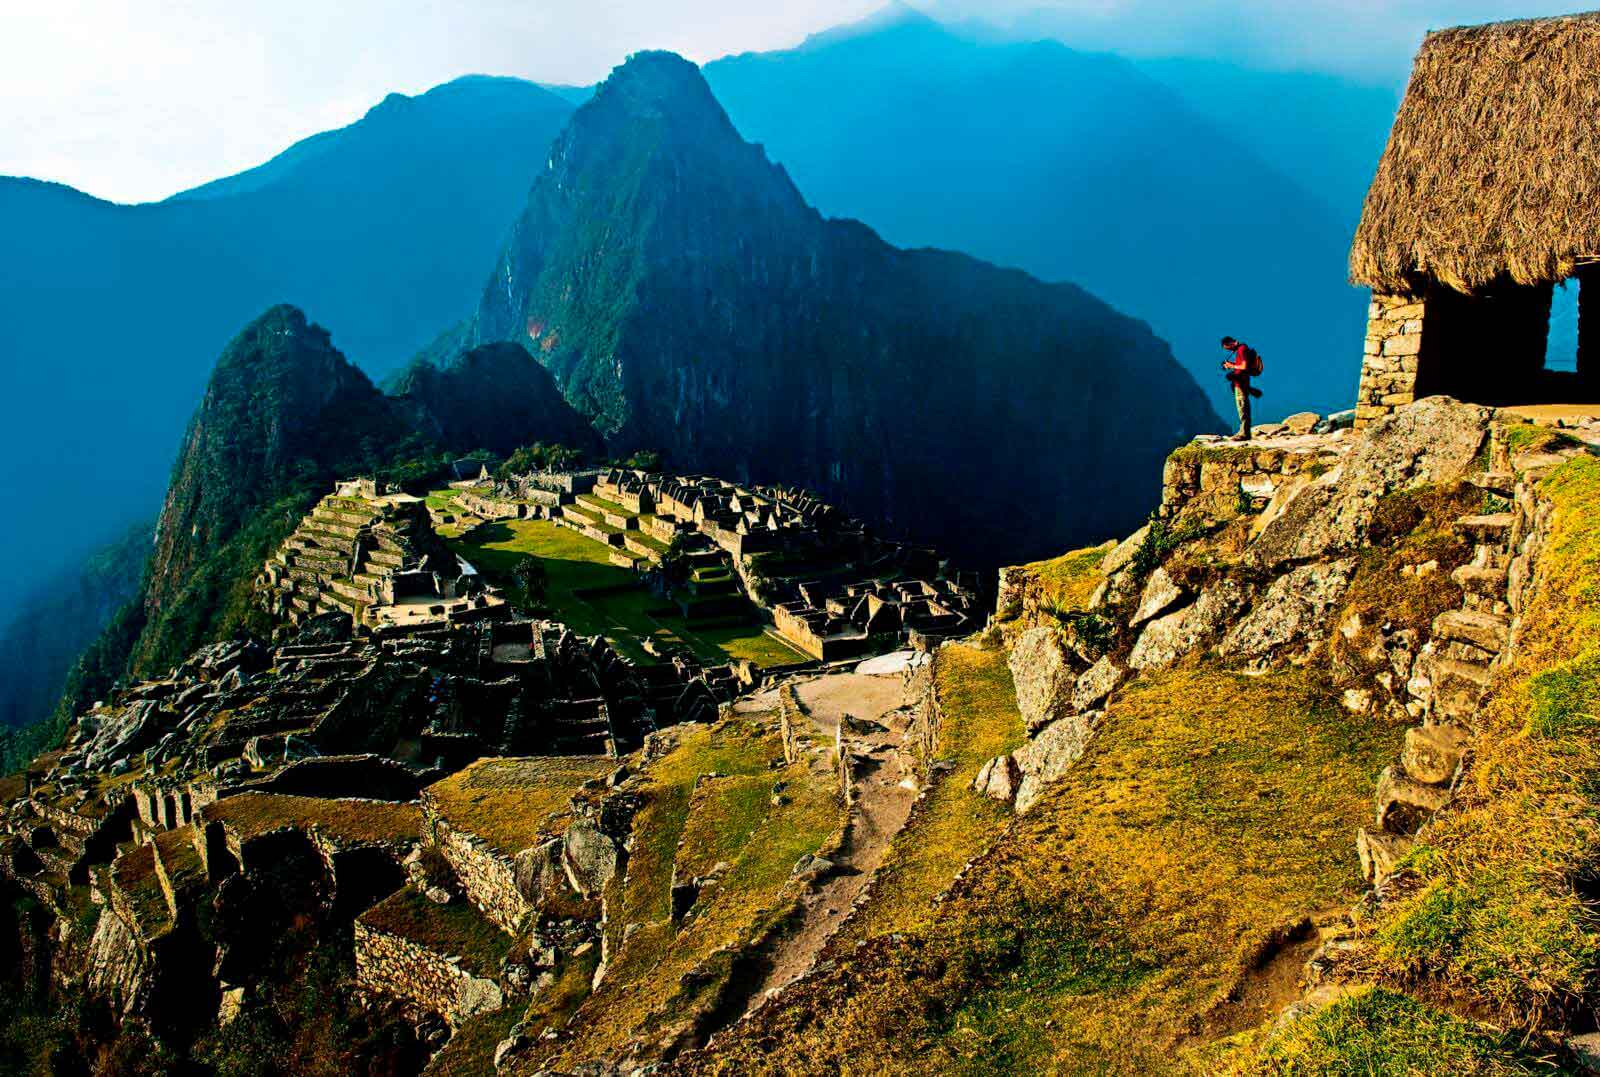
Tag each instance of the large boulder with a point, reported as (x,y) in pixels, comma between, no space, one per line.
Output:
(1044,674)
(1434,440)
(538,869)
(1097,683)
(1169,638)
(1160,594)
(1293,611)
(590,857)
(997,779)
(1047,757)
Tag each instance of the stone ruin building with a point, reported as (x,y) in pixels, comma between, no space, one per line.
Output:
(413,759)
(831,588)
(1481,221)
(371,554)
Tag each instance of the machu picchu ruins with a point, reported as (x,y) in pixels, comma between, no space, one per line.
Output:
(731,644)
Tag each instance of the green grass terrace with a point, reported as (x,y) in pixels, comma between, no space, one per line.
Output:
(508,801)
(585,591)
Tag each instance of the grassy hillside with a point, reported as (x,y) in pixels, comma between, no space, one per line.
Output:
(1157,900)
(1494,911)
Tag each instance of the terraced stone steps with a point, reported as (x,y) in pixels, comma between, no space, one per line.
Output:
(349,589)
(1480,629)
(1451,679)
(1492,527)
(1503,483)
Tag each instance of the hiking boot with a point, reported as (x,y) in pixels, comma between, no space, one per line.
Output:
(1240,436)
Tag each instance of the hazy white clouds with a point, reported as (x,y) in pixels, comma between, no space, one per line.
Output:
(137,99)
(1370,40)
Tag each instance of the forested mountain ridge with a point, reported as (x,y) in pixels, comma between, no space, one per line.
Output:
(687,299)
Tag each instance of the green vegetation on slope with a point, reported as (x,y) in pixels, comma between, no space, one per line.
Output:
(455,930)
(507,802)
(953,823)
(1495,905)
(664,973)
(1130,918)
(1379,1031)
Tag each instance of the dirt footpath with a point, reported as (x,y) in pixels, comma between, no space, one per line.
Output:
(882,804)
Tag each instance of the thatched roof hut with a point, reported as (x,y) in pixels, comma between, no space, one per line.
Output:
(1492,172)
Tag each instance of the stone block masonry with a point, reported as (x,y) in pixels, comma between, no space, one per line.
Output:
(1390,356)
(389,964)
(488,877)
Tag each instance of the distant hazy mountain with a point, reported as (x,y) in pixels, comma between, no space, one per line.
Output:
(687,299)
(110,316)
(52,625)
(1078,166)
(1322,131)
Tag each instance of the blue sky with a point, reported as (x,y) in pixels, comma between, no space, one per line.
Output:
(133,101)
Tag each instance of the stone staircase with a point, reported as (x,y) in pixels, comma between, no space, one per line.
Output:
(1453,670)
(1447,684)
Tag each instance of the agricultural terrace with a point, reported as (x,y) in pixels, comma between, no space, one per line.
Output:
(595,597)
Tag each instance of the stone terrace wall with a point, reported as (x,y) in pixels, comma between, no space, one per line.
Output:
(488,877)
(390,965)
(1230,471)
(1389,362)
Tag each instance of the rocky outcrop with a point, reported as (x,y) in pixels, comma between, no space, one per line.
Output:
(1293,611)
(1432,441)
(1047,756)
(1169,638)
(1045,677)
(119,964)
(1298,507)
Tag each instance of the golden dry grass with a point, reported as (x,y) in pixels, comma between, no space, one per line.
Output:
(644,993)
(352,821)
(508,800)
(953,823)
(453,930)
(1066,582)
(1106,929)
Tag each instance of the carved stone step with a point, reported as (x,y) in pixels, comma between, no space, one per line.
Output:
(1496,482)
(1458,687)
(1486,630)
(1432,753)
(1404,805)
(1380,852)
(1480,580)
(1494,527)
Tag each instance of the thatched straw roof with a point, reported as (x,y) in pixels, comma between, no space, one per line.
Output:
(1493,166)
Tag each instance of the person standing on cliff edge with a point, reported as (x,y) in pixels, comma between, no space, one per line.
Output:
(1243,365)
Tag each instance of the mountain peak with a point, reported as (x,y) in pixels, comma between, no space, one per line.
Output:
(896,16)
(654,83)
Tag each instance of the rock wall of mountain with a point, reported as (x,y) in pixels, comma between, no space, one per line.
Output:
(686,299)
(494,397)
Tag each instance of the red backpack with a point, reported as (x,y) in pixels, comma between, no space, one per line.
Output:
(1253,363)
